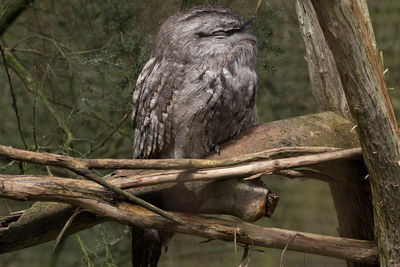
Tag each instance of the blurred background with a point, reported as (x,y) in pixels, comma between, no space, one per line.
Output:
(75,64)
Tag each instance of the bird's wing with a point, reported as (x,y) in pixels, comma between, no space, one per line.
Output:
(215,104)
(152,104)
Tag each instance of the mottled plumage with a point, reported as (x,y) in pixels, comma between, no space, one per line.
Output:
(198,89)
(196,92)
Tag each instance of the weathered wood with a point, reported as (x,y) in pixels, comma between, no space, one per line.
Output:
(96,200)
(353,206)
(328,129)
(51,159)
(326,85)
(244,199)
(244,170)
(346,30)
(248,200)
(260,165)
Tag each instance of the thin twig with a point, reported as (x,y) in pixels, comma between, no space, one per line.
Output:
(30,84)
(308,173)
(98,117)
(285,248)
(245,254)
(115,127)
(35,103)
(65,227)
(89,175)
(34,120)
(14,98)
(25,50)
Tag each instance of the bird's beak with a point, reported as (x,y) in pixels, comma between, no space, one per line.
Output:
(248,25)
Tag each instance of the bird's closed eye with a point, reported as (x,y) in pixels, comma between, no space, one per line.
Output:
(219,33)
(225,32)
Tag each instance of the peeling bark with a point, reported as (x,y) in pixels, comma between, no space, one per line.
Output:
(347,32)
(353,206)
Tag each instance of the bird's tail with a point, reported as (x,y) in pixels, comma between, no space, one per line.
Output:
(147,246)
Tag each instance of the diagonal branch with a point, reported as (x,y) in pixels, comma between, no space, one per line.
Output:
(89,175)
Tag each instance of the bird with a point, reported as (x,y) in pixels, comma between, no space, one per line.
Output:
(197,91)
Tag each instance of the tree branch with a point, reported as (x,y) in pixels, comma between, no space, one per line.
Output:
(248,200)
(33,87)
(353,206)
(190,168)
(108,206)
(347,31)
(14,98)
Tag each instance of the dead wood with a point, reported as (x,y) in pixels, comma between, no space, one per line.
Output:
(97,201)
(348,32)
(324,129)
(353,206)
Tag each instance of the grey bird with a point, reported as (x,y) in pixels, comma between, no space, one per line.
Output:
(196,92)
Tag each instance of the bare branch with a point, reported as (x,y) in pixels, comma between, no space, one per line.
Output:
(14,99)
(107,206)
(321,154)
(243,199)
(32,86)
(190,167)
(86,173)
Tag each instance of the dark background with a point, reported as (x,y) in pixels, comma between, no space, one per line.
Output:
(83,58)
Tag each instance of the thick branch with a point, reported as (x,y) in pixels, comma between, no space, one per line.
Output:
(324,129)
(326,85)
(96,201)
(244,170)
(248,200)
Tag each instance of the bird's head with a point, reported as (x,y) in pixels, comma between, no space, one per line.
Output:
(204,32)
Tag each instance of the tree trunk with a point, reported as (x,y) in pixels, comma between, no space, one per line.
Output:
(353,206)
(348,35)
